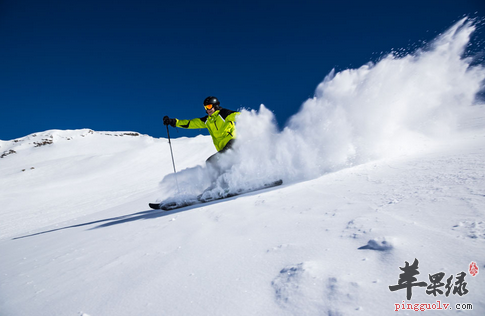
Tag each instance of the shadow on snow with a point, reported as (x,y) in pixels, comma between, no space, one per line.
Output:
(144,215)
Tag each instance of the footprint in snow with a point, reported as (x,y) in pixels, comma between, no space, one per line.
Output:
(305,289)
(471,229)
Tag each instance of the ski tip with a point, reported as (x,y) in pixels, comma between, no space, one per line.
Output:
(155,206)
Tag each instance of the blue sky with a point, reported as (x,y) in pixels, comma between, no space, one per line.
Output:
(122,65)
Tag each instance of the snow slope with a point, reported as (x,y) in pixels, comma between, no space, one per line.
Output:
(287,251)
(372,180)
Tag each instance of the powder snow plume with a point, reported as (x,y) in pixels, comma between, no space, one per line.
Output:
(378,110)
(358,115)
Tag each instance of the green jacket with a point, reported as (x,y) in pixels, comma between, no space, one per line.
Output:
(221,126)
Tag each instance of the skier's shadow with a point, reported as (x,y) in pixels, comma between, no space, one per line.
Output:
(144,215)
(160,213)
(150,214)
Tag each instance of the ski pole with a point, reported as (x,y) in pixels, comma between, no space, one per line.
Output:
(173,161)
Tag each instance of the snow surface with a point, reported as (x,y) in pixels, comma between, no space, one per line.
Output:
(384,165)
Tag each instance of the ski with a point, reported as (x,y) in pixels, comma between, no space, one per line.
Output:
(175,205)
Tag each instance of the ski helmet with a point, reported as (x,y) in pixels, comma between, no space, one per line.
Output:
(214,101)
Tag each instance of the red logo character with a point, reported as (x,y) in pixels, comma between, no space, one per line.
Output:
(473,269)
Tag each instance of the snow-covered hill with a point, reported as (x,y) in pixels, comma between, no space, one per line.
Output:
(78,237)
(74,171)
(385,165)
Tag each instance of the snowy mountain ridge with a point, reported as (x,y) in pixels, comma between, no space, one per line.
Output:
(48,137)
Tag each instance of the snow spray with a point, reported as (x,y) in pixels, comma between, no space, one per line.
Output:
(391,107)
(378,110)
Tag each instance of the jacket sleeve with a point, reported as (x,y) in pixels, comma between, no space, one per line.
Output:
(193,123)
(232,117)
(229,115)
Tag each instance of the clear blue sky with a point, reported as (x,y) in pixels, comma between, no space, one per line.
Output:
(122,65)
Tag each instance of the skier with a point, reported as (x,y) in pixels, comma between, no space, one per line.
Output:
(221,125)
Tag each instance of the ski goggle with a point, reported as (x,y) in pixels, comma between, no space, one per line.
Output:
(208,106)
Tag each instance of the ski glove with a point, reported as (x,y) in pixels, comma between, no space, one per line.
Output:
(169,121)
